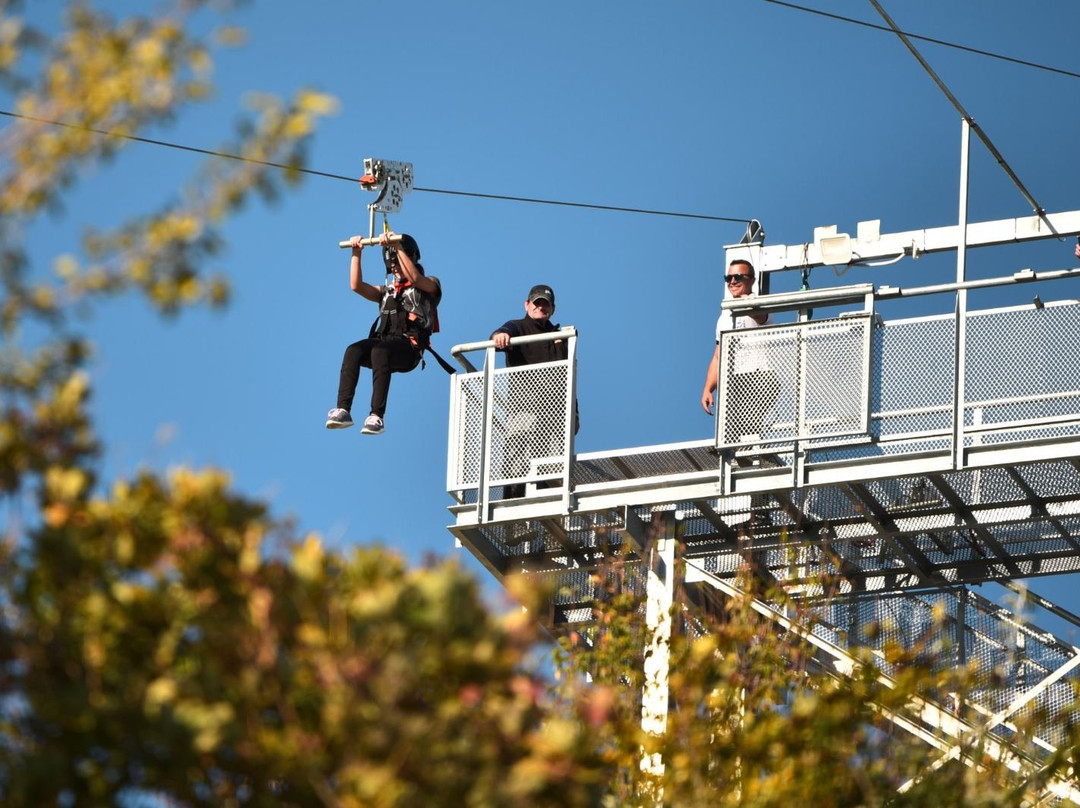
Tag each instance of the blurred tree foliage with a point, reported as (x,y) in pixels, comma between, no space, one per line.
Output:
(753,720)
(166,637)
(163,638)
(152,644)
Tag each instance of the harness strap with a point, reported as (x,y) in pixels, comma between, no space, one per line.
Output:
(445,365)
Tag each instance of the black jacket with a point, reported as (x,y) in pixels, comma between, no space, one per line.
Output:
(533,352)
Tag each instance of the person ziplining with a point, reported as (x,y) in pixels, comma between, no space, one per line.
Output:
(408,302)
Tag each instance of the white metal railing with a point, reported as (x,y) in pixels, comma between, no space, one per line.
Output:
(857,386)
(851,390)
(511,427)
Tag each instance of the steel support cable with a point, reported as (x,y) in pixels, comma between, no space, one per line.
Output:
(1038,209)
(270,164)
(536,201)
(942,42)
(171,145)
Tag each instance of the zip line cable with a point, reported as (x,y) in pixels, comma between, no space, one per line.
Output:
(584,205)
(909,35)
(904,35)
(170,145)
(476,195)
(1036,207)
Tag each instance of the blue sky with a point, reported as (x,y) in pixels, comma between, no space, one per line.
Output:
(737,109)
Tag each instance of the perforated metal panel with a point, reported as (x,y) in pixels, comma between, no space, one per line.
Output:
(1018,385)
(808,380)
(1016,659)
(524,430)
(529,422)
(1020,371)
(914,372)
(466,430)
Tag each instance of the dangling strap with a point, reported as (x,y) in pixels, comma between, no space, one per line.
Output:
(445,365)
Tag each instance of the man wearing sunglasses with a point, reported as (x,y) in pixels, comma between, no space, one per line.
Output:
(522,442)
(753,386)
(539,306)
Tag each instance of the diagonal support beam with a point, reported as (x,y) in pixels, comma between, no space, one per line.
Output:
(1038,507)
(914,558)
(961,509)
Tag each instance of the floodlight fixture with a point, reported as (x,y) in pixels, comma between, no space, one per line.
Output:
(835,250)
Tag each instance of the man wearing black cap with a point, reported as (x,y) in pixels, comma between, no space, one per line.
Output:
(539,306)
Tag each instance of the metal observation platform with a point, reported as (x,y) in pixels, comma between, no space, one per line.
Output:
(899,461)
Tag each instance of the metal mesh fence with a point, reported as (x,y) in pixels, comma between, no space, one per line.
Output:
(949,628)
(794,382)
(466,430)
(1019,371)
(810,386)
(845,389)
(526,426)
(528,422)
(913,370)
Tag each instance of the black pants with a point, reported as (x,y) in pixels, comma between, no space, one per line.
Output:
(383,356)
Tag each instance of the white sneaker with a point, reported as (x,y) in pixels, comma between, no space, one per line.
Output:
(373,425)
(338,418)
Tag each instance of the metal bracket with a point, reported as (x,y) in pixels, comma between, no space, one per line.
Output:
(392,179)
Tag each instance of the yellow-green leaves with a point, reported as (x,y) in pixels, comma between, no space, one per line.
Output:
(102,80)
(207,723)
(307,560)
(150,637)
(11,29)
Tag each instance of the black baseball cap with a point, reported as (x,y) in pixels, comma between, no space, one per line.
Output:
(541,291)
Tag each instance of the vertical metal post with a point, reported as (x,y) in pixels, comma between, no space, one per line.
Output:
(798,445)
(720,411)
(571,400)
(961,627)
(961,302)
(867,361)
(483,494)
(455,434)
(659,595)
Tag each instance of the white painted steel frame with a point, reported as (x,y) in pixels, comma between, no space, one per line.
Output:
(961,320)
(659,597)
(705,483)
(780,257)
(932,723)
(457,439)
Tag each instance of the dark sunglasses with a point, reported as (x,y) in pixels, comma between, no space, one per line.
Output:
(737,278)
